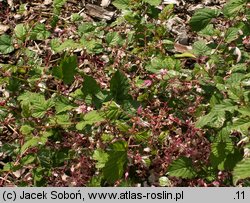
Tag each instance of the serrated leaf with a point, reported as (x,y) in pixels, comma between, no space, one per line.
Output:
(245,110)
(90,86)
(33,142)
(235,79)
(182,168)
(6,46)
(28,159)
(117,160)
(63,104)
(39,108)
(90,118)
(202,18)
(201,49)
(69,65)
(122,126)
(101,157)
(121,4)
(39,32)
(241,170)
(226,105)
(26,129)
(216,117)
(35,103)
(233,7)
(153,2)
(207,31)
(111,110)
(142,136)
(113,38)
(86,27)
(67,69)
(242,125)
(20,32)
(58,46)
(213,119)
(119,87)
(231,34)
(161,63)
(61,119)
(219,153)
(93,46)
(57,4)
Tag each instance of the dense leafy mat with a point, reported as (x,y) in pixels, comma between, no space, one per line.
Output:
(120,103)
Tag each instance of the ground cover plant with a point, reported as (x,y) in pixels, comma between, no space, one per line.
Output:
(124,101)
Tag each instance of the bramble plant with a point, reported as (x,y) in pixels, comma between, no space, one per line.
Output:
(114,105)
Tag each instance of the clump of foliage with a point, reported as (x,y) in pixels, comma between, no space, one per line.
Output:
(113,105)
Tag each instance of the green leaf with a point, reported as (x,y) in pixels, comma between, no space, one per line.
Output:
(231,34)
(160,63)
(213,119)
(117,160)
(58,46)
(6,46)
(39,32)
(241,170)
(63,104)
(57,4)
(122,126)
(202,18)
(207,31)
(76,17)
(201,49)
(44,157)
(33,142)
(101,157)
(235,79)
(40,107)
(121,4)
(216,117)
(90,86)
(242,125)
(90,118)
(233,7)
(142,136)
(69,65)
(245,110)
(153,2)
(67,69)
(86,27)
(113,39)
(111,110)
(20,32)
(38,174)
(119,87)
(60,157)
(35,103)
(93,46)
(92,92)
(182,168)
(61,119)
(220,151)
(28,159)
(26,129)
(8,167)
